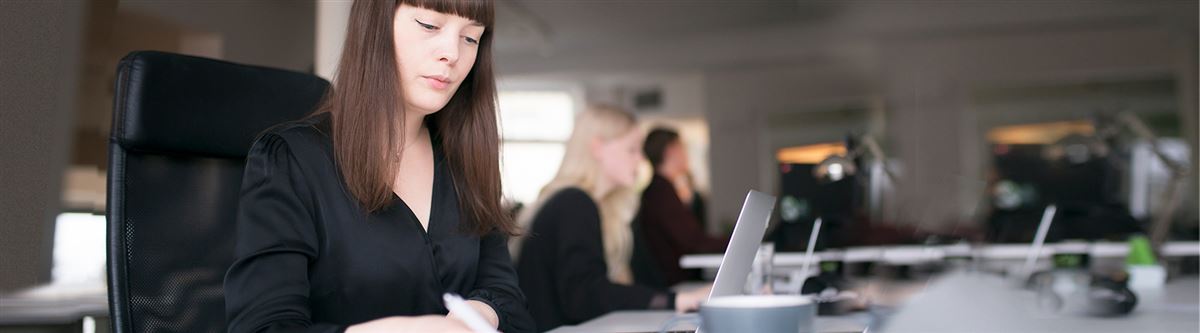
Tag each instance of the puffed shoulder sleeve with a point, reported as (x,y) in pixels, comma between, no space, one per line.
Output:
(267,287)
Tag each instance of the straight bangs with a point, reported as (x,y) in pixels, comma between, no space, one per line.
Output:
(477,10)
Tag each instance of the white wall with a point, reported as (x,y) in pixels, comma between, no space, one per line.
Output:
(332,20)
(1187,71)
(39,73)
(42,62)
(274,33)
(740,103)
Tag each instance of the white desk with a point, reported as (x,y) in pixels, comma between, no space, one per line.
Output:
(53,305)
(982,302)
(649,321)
(972,302)
(911,254)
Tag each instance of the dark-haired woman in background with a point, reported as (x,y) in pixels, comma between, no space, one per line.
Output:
(361,216)
(669,226)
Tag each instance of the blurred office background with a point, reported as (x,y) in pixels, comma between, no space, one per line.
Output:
(984,112)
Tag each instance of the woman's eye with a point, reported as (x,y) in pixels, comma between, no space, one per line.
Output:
(472,41)
(429,27)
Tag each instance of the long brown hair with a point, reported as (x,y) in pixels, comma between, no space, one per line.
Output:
(366,102)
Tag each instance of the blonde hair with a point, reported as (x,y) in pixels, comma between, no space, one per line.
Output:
(580,169)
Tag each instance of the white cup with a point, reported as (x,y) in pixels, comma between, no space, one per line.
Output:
(753,313)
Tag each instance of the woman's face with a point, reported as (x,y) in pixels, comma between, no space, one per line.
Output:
(619,157)
(676,156)
(434,52)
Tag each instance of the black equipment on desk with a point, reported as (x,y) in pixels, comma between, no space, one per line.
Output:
(1086,193)
(1110,297)
(826,286)
(1101,295)
(802,200)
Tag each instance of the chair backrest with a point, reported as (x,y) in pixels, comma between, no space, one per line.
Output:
(181,129)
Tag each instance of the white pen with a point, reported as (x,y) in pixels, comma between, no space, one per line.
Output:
(459,308)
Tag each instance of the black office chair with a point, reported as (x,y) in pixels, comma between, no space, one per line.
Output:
(181,128)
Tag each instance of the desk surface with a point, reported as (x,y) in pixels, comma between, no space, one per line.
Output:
(649,321)
(911,254)
(53,305)
(973,302)
(982,302)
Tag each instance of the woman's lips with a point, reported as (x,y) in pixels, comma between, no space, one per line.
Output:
(436,82)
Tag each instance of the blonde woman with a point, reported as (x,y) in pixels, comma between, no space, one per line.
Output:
(574,258)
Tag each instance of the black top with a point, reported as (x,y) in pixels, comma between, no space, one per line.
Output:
(309,259)
(562,266)
(671,231)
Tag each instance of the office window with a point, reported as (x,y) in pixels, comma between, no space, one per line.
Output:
(534,127)
(78,249)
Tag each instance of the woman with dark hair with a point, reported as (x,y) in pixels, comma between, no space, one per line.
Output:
(670,227)
(359,217)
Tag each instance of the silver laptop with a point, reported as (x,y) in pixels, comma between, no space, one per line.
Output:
(743,245)
(731,276)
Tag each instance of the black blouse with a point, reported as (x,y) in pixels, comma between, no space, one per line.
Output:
(562,266)
(309,259)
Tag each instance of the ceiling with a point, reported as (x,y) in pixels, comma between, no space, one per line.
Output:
(678,35)
(594,24)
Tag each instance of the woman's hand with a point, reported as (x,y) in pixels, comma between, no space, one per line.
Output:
(690,300)
(483,310)
(430,323)
(683,188)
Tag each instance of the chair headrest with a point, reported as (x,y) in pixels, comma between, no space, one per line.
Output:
(178,104)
